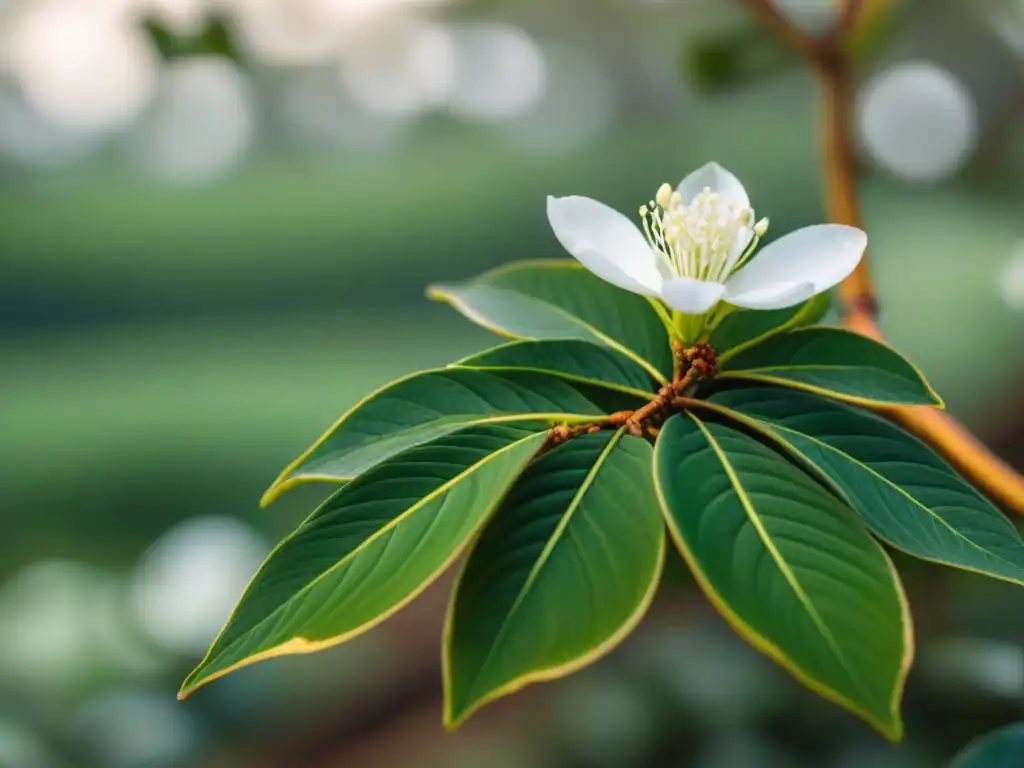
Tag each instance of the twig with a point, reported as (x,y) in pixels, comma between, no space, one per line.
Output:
(692,364)
(857,292)
(637,422)
(770,15)
(860,306)
(849,15)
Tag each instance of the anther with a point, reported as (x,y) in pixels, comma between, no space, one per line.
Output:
(664,196)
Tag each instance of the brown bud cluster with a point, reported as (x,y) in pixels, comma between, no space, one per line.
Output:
(703,360)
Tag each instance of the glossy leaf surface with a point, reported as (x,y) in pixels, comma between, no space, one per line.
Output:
(789,566)
(899,486)
(561,574)
(742,329)
(562,300)
(573,360)
(835,363)
(371,547)
(428,405)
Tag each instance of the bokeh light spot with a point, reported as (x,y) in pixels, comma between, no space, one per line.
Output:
(87,70)
(399,68)
(192,577)
(500,72)
(1011,279)
(918,121)
(201,124)
(136,729)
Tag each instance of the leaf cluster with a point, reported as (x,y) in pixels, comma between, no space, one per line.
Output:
(773,479)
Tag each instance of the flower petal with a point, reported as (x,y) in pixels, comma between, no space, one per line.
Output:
(691,297)
(717,179)
(605,242)
(821,255)
(774,297)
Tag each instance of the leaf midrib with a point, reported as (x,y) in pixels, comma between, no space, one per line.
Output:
(842,393)
(573,319)
(793,324)
(437,492)
(772,430)
(542,559)
(777,557)
(811,367)
(773,426)
(602,383)
(474,421)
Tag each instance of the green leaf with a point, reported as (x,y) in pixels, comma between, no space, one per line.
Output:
(835,363)
(569,359)
(216,38)
(903,491)
(431,404)
(788,565)
(563,572)
(746,328)
(372,547)
(562,300)
(719,61)
(1002,748)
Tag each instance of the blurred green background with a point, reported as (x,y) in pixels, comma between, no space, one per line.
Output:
(217,219)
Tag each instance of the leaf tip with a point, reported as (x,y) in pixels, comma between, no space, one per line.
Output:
(281,486)
(437,292)
(270,495)
(187,688)
(892,730)
(453,719)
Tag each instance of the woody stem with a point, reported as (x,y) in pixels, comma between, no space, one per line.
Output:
(827,55)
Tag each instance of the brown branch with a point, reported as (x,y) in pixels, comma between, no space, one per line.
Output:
(658,404)
(692,364)
(770,15)
(857,292)
(849,15)
(860,307)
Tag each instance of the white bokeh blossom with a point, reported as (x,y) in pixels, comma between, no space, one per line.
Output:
(696,249)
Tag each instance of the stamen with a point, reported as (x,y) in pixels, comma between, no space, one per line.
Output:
(748,252)
(704,238)
(664,196)
(647,227)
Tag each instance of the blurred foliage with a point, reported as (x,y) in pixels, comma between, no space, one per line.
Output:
(735,58)
(1001,749)
(214,38)
(719,59)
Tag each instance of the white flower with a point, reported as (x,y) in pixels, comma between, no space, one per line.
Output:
(696,244)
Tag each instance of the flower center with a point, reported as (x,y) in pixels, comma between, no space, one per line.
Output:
(707,239)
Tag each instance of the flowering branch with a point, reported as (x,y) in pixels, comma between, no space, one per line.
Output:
(692,364)
(860,307)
